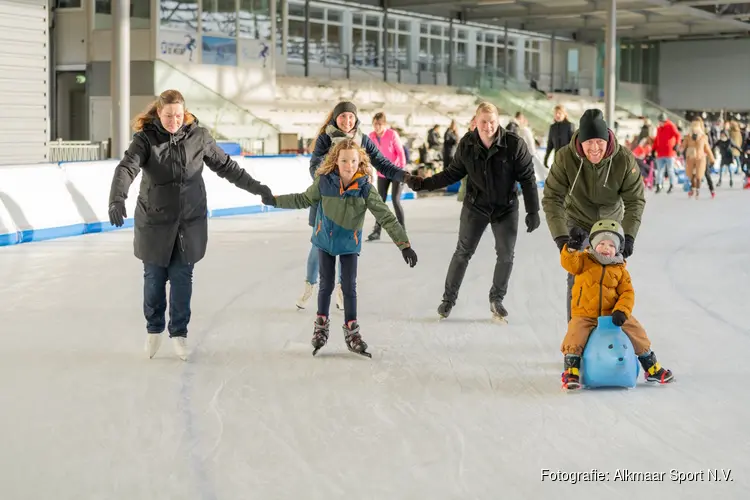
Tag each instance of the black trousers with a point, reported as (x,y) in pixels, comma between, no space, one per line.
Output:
(472,226)
(383,185)
(348,268)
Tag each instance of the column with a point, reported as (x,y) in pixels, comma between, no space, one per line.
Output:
(553,48)
(520,57)
(384,33)
(274,36)
(610,64)
(306,55)
(120,71)
(506,56)
(284,27)
(451,50)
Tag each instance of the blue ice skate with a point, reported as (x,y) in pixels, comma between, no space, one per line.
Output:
(609,359)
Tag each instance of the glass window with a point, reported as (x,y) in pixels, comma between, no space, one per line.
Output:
(296,10)
(255,20)
(392,23)
(68,4)
(333,41)
(334,15)
(372,44)
(140,14)
(356,19)
(372,21)
(489,57)
(436,30)
(296,47)
(461,53)
(317,12)
(424,28)
(219,17)
(404,26)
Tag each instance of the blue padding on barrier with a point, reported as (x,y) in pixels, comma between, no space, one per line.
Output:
(230,148)
(404,196)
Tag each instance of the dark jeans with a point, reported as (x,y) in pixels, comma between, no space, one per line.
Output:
(383,184)
(472,226)
(348,268)
(571,280)
(180,276)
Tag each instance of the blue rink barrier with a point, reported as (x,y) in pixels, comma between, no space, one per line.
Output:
(59,200)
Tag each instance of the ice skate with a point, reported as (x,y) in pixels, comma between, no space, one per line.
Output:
(180,347)
(499,312)
(374,235)
(444,309)
(153,342)
(354,340)
(306,294)
(571,376)
(320,334)
(653,371)
(339,297)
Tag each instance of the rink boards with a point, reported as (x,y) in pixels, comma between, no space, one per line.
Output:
(46,201)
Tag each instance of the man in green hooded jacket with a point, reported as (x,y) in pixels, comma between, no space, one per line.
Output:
(591,179)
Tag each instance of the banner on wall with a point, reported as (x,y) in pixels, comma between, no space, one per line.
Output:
(178,46)
(255,53)
(219,51)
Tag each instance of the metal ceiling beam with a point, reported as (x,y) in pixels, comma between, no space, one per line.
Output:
(646,33)
(544,11)
(704,3)
(596,23)
(702,14)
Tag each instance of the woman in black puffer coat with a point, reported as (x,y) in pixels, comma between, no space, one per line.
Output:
(171,215)
(560,133)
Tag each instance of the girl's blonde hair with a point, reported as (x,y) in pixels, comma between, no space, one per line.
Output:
(487,107)
(330,162)
(561,109)
(151,112)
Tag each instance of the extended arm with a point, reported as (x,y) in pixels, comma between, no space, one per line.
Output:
(300,200)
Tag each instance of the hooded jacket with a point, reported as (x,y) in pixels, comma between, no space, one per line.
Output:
(389,145)
(339,220)
(579,193)
(171,208)
(602,285)
(325,142)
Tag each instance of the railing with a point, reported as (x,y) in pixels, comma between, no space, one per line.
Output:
(225,118)
(60,150)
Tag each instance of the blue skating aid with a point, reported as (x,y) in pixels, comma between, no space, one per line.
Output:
(609,359)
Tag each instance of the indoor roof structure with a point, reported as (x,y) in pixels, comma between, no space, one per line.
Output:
(585,20)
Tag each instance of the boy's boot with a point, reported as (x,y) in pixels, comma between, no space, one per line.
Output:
(571,377)
(654,372)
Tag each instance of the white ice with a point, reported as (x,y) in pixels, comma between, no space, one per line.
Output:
(459,409)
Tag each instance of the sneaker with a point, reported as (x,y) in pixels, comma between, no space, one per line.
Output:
(180,347)
(153,342)
(653,371)
(339,297)
(305,297)
(572,372)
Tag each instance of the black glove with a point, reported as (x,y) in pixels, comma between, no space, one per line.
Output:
(532,222)
(414,182)
(577,237)
(619,318)
(117,213)
(266,196)
(627,249)
(560,241)
(410,256)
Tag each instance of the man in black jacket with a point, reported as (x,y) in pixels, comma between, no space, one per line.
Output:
(493,161)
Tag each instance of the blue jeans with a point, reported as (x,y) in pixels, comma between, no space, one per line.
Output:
(180,276)
(347,268)
(313,265)
(661,164)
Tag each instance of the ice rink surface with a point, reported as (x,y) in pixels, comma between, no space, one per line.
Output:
(460,409)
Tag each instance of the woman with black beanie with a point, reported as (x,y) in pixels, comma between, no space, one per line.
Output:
(341,123)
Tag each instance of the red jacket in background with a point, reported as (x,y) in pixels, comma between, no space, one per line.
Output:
(667,137)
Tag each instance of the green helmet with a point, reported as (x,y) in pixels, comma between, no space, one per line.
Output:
(610,226)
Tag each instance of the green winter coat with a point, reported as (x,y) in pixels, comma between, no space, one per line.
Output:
(579,193)
(338,222)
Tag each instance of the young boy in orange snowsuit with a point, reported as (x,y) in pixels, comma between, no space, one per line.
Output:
(602,288)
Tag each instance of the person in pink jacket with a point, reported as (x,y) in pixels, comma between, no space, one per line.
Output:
(389,144)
